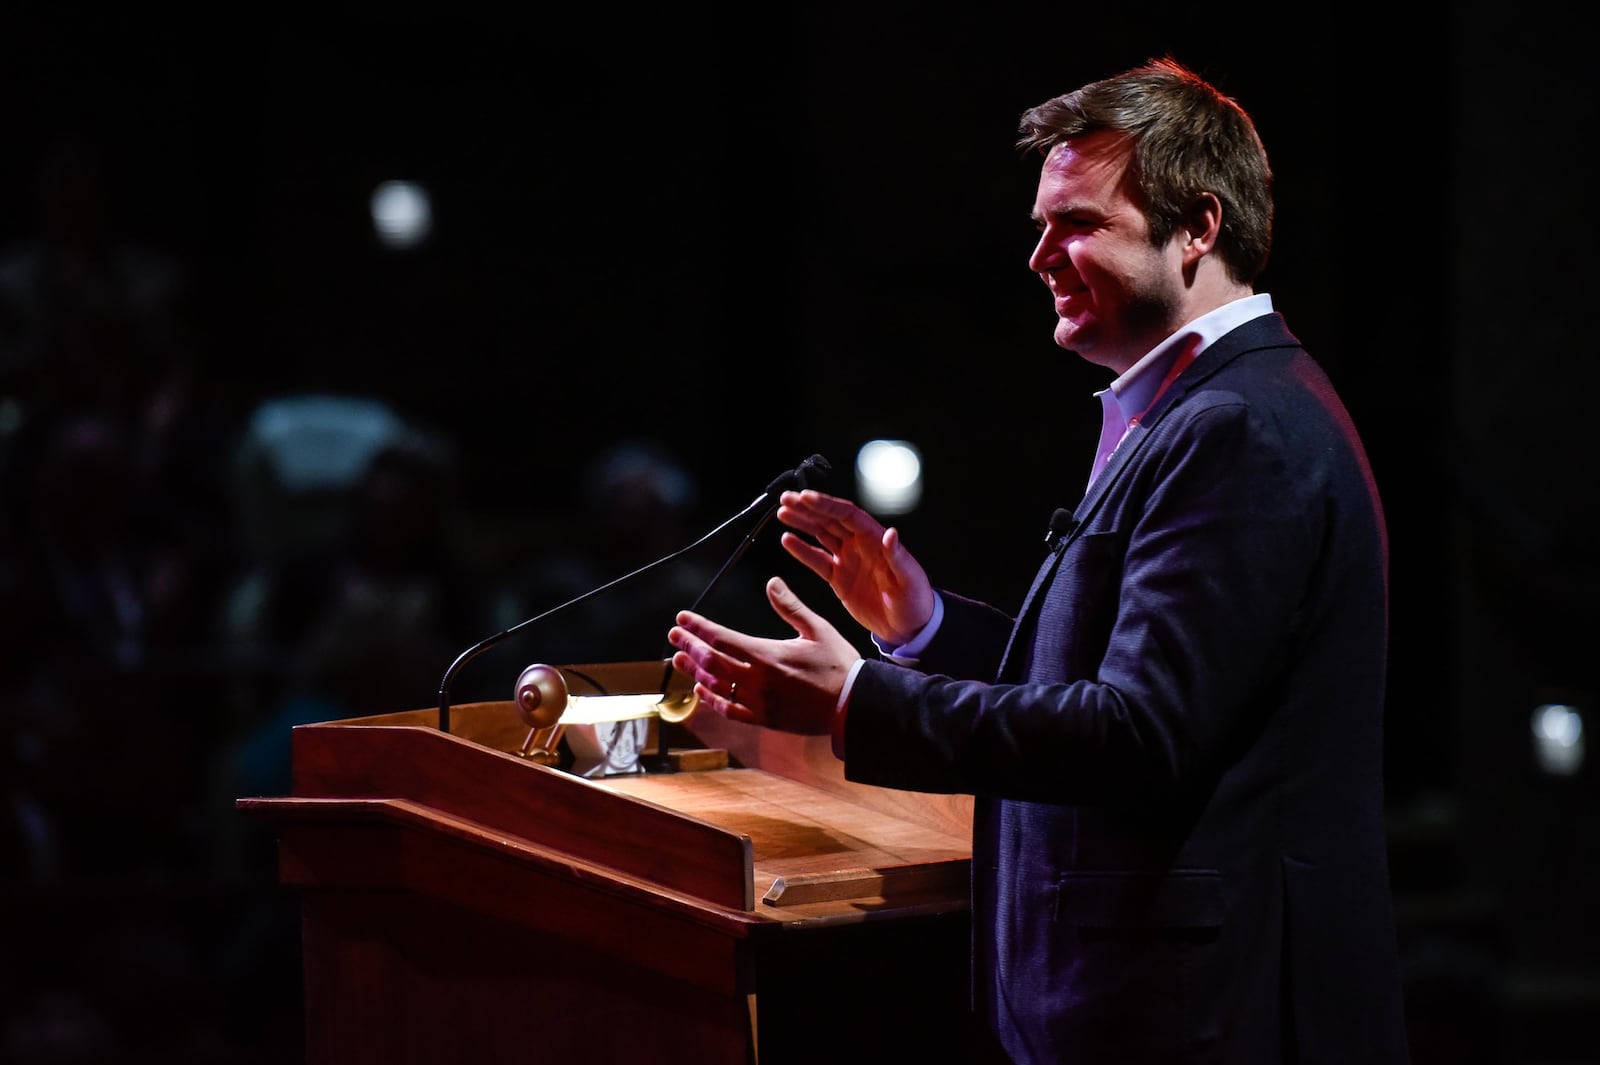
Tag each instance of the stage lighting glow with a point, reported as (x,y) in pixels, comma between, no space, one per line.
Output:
(1558,744)
(401,213)
(889,476)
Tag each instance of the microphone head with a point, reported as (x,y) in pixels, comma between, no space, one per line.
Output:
(808,473)
(813,471)
(1062,522)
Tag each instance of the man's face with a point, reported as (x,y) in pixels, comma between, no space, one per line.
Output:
(1115,295)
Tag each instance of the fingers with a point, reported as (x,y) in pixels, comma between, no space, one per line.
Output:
(707,647)
(908,571)
(800,617)
(900,560)
(714,655)
(828,518)
(729,706)
(840,533)
(716,677)
(808,555)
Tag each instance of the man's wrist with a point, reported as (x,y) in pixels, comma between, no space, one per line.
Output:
(907,653)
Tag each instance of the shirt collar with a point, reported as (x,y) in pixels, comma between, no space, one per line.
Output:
(1143,383)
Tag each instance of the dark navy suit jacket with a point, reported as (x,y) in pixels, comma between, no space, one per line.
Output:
(1176,745)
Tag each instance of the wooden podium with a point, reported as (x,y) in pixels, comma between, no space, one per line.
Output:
(463,904)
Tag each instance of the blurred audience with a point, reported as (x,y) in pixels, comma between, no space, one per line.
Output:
(356,593)
(113,553)
(107,608)
(110,553)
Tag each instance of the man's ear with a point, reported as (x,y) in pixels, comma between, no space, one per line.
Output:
(1202,221)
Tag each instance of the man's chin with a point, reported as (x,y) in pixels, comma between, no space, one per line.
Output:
(1074,342)
(1070,338)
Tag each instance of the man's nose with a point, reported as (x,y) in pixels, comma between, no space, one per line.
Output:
(1045,256)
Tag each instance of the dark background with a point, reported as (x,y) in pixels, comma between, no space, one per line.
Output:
(744,236)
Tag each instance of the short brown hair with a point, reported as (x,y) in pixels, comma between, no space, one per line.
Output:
(1187,137)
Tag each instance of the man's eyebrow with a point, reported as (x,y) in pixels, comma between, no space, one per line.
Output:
(1062,210)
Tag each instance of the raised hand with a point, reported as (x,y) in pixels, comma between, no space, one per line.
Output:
(792,685)
(876,579)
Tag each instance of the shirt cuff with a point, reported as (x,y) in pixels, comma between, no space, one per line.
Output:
(841,707)
(908,653)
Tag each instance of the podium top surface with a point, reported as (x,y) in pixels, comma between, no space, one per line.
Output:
(779,836)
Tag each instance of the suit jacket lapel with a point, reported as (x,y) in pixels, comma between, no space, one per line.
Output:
(1267,331)
(1080,518)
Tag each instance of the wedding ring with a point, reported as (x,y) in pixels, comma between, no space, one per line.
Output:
(733,692)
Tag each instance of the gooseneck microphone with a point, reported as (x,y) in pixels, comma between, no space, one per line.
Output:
(814,467)
(809,473)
